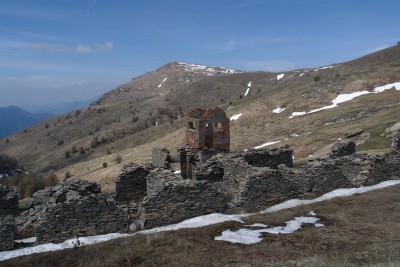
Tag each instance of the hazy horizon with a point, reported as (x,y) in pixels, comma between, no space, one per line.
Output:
(52,51)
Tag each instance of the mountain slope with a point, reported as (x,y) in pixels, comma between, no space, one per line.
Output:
(148,111)
(13,119)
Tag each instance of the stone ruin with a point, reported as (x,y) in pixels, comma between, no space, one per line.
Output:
(148,195)
(8,208)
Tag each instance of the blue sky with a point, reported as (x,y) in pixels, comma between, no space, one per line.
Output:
(65,50)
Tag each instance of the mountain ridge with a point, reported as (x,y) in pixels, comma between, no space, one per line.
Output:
(148,110)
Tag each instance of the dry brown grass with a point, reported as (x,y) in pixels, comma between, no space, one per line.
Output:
(361,230)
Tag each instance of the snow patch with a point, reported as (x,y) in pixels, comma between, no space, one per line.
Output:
(280,76)
(322,68)
(161,83)
(383,88)
(278,110)
(249,236)
(266,144)
(235,117)
(206,70)
(347,97)
(194,222)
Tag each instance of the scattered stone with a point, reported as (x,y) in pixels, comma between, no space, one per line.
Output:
(354,133)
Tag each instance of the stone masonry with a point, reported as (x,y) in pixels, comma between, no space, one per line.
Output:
(7,230)
(148,197)
(8,200)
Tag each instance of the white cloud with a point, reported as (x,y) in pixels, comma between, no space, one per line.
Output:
(104,46)
(268,65)
(48,48)
(83,49)
(378,48)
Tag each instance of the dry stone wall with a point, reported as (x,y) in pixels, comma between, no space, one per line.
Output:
(7,232)
(131,184)
(8,200)
(90,215)
(161,158)
(180,200)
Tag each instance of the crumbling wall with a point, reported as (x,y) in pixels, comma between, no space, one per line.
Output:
(269,157)
(86,216)
(343,148)
(8,200)
(7,232)
(131,184)
(161,158)
(157,179)
(180,200)
(265,187)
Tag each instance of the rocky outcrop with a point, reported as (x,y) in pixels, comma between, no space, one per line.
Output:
(8,200)
(7,232)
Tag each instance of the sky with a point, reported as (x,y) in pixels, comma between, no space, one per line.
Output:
(55,51)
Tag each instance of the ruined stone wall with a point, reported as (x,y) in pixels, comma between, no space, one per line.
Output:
(180,200)
(87,216)
(161,158)
(265,187)
(130,184)
(157,179)
(8,200)
(269,157)
(7,232)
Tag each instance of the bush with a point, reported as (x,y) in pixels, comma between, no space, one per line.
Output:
(118,158)
(67,175)
(27,184)
(317,78)
(105,165)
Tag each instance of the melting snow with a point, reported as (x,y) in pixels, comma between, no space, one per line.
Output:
(248,88)
(278,110)
(322,68)
(210,71)
(161,83)
(301,74)
(194,222)
(294,114)
(235,117)
(380,89)
(266,144)
(280,76)
(249,236)
(347,97)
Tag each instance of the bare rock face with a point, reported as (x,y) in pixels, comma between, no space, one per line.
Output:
(8,200)
(343,148)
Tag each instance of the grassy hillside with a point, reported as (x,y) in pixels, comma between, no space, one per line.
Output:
(148,111)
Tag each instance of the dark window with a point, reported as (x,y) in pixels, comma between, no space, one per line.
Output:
(191,125)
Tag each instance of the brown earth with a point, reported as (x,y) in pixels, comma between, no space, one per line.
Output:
(360,230)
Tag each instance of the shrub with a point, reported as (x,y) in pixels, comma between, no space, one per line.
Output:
(105,165)
(118,158)
(317,78)
(67,175)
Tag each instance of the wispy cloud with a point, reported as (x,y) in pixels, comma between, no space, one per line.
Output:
(268,65)
(59,48)
(49,48)
(378,48)
(251,42)
(83,49)
(92,5)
